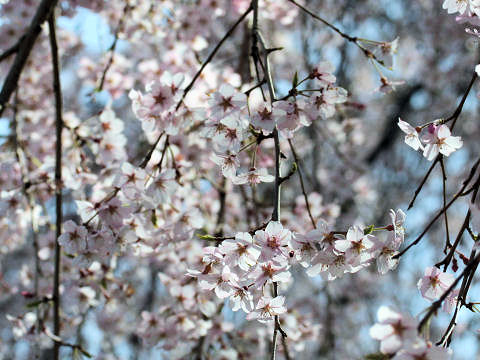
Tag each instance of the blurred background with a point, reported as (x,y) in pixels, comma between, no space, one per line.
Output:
(356,164)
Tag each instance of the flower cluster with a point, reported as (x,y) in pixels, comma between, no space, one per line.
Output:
(398,338)
(232,126)
(434,284)
(437,140)
(241,268)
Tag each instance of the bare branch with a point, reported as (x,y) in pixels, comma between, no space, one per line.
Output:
(58,181)
(25,47)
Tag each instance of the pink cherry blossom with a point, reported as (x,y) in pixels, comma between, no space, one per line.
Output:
(74,237)
(423,350)
(268,271)
(241,251)
(359,249)
(412,138)
(274,241)
(453,6)
(439,140)
(253,177)
(393,329)
(434,283)
(223,283)
(323,73)
(267,308)
(226,101)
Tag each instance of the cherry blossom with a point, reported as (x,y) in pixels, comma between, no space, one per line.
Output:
(423,350)
(226,101)
(323,73)
(412,138)
(241,251)
(434,283)
(439,140)
(358,248)
(253,177)
(267,308)
(274,241)
(228,163)
(268,271)
(393,329)
(266,119)
(121,207)
(74,239)
(453,6)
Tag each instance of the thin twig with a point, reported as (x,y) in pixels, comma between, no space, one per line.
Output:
(302,185)
(453,117)
(113,46)
(353,39)
(212,54)
(11,50)
(195,77)
(446,261)
(424,180)
(436,305)
(459,108)
(278,179)
(444,185)
(440,213)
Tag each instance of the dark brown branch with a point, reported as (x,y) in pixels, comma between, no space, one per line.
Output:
(436,305)
(459,108)
(424,180)
(292,171)
(25,47)
(444,186)
(221,238)
(11,50)
(58,181)
(453,117)
(257,37)
(440,213)
(147,158)
(353,39)
(446,261)
(212,54)
(113,47)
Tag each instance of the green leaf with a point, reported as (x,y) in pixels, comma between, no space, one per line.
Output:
(294,167)
(206,237)
(368,230)
(34,304)
(295,80)
(85,353)
(153,218)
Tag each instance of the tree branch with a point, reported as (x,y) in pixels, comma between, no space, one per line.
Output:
(58,181)
(24,48)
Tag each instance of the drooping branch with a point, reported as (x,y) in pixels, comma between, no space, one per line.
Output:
(58,182)
(113,47)
(444,195)
(452,118)
(196,76)
(25,46)
(436,305)
(459,194)
(258,39)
